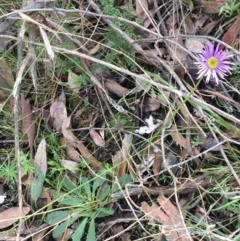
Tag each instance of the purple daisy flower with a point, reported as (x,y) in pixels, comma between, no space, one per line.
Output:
(213,63)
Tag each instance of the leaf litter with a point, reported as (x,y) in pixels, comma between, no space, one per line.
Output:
(130,65)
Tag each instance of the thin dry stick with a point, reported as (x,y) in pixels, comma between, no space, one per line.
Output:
(4,26)
(16,127)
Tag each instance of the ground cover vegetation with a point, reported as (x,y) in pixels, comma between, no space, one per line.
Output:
(119,120)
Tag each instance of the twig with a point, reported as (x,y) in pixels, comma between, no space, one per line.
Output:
(16,126)
(201,181)
(15,16)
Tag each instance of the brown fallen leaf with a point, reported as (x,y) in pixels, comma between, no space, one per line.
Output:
(141,12)
(66,236)
(93,162)
(72,154)
(176,53)
(209,142)
(116,88)
(58,111)
(72,139)
(38,236)
(70,165)
(156,167)
(208,28)
(178,137)
(11,216)
(28,125)
(151,104)
(194,45)
(98,140)
(232,33)
(169,216)
(121,159)
(67,132)
(40,159)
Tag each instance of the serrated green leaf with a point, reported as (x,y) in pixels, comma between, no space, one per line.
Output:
(86,186)
(80,230)
(104,212)
(36,187)
(91,231)
(105,192)
(69,185)
(61,228)
(99,181)
(56,217)
(123,181)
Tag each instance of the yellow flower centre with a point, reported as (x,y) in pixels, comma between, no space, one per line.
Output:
(212,62)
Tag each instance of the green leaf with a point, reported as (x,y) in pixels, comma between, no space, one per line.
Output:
(86,186)
(56,217)
(104,212)
(36,187)
(61,228)
(91,231)
(123,181)
(86,214)
(101,178)
(71,201)
(79,231)
(69,185)
(105,192)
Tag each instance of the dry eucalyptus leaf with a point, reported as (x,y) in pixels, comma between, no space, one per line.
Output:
(121,157)
(156,167)
(72,139)
(58,111)
(232,32)
(95,49)
(70,165)
(66,236)
(169,216)
(116,88)
(28,125)
(67,133)
(208,28)
(177,53)
(151,104)
(89,158)
(209,142)
(11,216)
(40,159)
(141,12)
(194,45)
(177,137)
(98,140)
(72,154)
